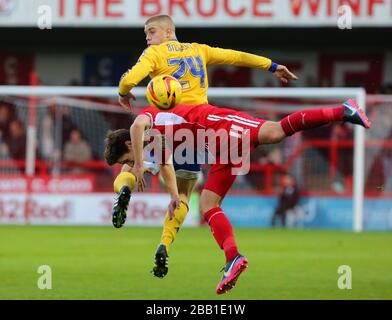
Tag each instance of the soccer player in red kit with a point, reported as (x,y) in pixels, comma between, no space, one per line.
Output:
(240,127)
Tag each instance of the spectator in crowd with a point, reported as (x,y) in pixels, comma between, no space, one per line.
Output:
(17,140)
(5,118)
(56,113)
(288,199)
(77,150)
(46,141)
(4,152)
(255,177)
(66,124)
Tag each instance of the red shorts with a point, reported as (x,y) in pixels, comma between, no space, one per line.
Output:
(222,174)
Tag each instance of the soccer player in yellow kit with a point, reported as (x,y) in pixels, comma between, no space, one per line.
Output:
(188,63)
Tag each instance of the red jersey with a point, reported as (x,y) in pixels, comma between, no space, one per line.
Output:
(203,117)
(223,132)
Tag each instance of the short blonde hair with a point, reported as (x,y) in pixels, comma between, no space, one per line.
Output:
(162,19)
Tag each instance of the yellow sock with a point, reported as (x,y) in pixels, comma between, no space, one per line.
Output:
(171,227)
(124,179)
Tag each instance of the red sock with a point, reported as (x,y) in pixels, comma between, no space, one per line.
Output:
(308,119)
(222,231)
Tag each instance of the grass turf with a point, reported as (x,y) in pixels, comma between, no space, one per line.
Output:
(106,263)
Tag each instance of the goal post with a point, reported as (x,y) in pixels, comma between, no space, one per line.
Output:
(318,93)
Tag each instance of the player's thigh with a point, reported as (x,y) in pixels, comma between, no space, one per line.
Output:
(219,180)
(271,132)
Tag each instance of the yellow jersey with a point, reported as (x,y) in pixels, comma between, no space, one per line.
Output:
(188,63)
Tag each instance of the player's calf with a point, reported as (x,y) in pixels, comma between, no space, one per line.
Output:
(271,132)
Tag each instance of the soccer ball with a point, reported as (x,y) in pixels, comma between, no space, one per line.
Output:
(164,92)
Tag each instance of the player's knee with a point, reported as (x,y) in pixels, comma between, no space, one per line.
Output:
(204,208)
(207,203)
(277,135)
(274,133)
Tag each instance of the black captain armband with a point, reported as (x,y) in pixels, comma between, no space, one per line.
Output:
(122,95)
(273,67)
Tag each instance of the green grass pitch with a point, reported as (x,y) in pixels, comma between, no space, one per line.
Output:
(108,263)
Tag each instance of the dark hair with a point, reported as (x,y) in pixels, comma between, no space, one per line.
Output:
(115,145)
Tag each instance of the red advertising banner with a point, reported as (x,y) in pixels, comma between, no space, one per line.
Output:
(47,184)
(84,209)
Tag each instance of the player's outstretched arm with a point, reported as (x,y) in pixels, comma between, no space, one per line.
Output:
(244,59)
(141,123)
